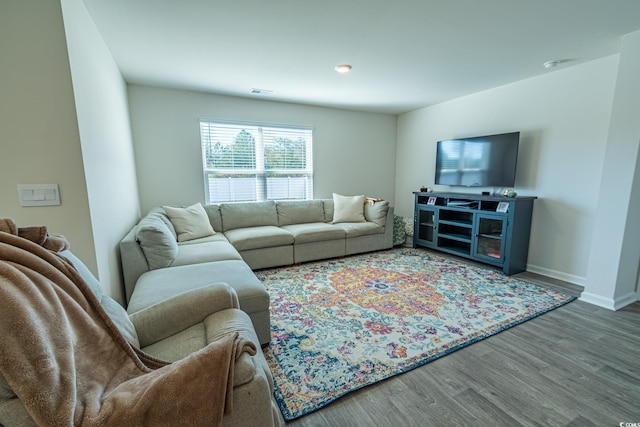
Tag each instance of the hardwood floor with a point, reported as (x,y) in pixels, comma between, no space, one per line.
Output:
(578,365)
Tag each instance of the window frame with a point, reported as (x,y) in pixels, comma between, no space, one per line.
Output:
(266,186)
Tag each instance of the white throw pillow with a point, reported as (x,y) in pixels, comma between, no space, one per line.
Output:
(348,208)
(190,223)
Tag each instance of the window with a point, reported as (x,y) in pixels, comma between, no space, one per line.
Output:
(254,162)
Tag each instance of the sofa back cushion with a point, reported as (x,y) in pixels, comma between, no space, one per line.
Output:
(300,212)
(348,208)
(213,212)
(328,209)
(248,214)
(158,243)
(191,222)
(162,215)
(376,212)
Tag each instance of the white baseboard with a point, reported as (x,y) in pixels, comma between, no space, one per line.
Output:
(576,280)
(609,303)
(630,298)
(598,300)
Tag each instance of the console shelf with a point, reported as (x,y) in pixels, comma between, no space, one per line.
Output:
(473,226)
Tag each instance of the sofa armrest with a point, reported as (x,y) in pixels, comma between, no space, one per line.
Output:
(182,311)
(134,263)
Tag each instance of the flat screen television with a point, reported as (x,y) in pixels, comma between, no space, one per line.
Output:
(481,161)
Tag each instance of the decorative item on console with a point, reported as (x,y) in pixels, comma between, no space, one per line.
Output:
(509,192)
(425,189)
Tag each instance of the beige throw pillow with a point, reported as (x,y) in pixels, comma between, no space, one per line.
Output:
(190,223)
(348,208)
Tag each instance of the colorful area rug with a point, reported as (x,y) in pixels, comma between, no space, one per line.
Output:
(340,325)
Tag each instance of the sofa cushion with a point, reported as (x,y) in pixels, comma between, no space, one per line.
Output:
(300,212)
(180,345)
(213,212)
(258,237)
(156,240)
(315,232)
(158,285)
(205,252)
(218,237)
(250,214)
(348,208)
(191,222)
(328,210)
(376,212)
(356,229)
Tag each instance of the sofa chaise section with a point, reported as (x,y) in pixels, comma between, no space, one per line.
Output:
(157,267)
(155,286)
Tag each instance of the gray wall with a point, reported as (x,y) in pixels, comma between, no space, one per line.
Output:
(563,118)
(105,136)
(353,152)
(614,262)
(39,135)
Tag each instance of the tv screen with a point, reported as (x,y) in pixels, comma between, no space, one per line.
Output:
(482,161)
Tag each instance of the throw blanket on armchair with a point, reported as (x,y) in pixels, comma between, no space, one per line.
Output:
(69,365)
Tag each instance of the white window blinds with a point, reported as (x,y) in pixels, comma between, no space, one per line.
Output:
(254,162)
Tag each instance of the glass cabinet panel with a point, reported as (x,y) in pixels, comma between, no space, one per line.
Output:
(426,225)
(490,235)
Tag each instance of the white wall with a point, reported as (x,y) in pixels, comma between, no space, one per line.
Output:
(105,136)
(615,255)
(563,117)
(353,152)
(39,138)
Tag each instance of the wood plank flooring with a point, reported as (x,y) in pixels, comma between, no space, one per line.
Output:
(578,365)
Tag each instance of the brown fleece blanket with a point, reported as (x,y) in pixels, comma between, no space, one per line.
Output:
(39,235)
(68,364)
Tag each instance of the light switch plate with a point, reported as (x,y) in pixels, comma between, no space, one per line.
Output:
(38,194)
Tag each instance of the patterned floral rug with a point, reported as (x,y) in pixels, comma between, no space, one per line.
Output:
(342,324)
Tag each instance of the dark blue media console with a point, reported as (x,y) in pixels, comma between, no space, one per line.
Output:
(490,229)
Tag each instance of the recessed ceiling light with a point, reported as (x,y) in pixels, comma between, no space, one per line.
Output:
(555,62)
(343,68)
(257,91)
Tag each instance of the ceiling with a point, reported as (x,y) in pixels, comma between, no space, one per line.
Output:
(406,54)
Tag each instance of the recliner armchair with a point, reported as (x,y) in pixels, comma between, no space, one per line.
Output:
(173,329)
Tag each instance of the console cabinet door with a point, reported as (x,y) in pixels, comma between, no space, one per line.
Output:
(490,233)
(425,230)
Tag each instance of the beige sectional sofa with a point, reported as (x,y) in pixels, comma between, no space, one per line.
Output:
(163,259)
(262,234)
(246,236)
